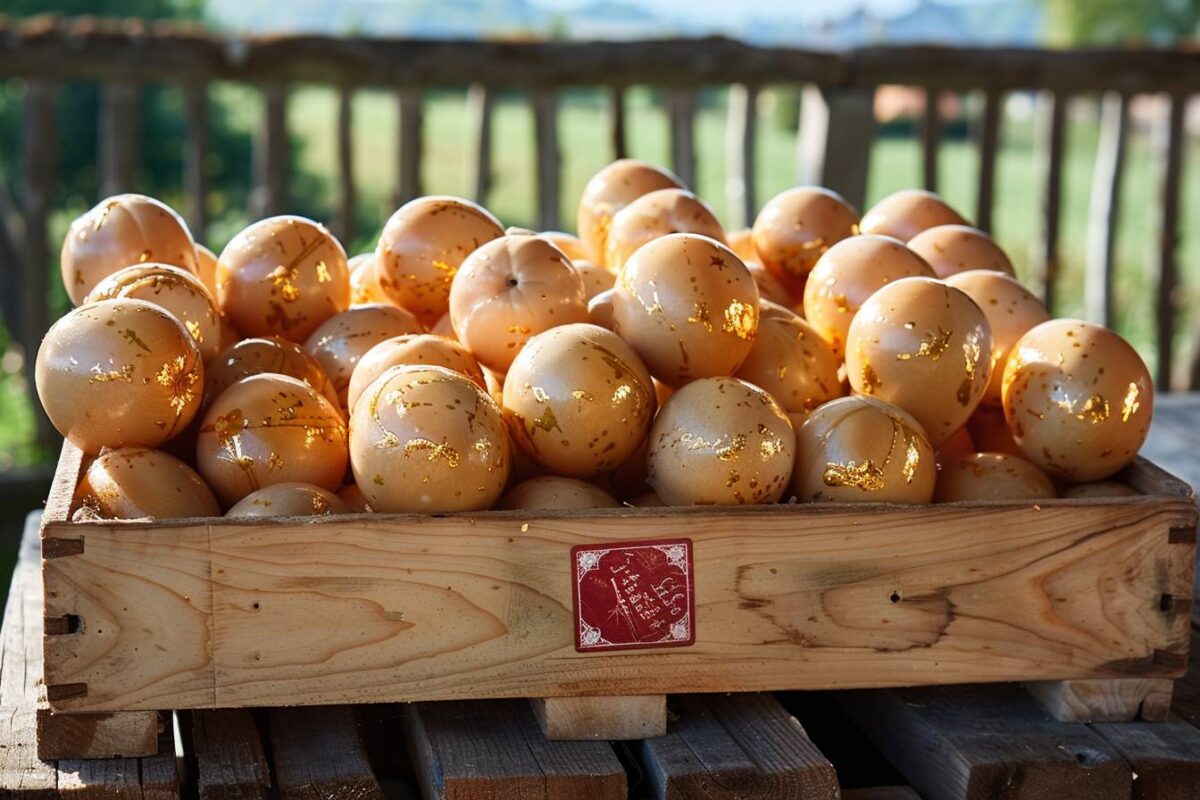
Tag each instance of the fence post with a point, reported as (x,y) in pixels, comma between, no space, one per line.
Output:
(1049,122)
(344,220)
(545,117)
(479,119)
(681,110)
(120,133)
(837,130)
(740,133)
(931,139)
(195,152)
(1104,209)
(1167,149)
(271,154)
(408,161)
(987,140)
(616,122)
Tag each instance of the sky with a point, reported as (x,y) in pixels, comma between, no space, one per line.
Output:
(780,9)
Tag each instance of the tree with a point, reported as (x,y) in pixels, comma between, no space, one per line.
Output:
(1075,22)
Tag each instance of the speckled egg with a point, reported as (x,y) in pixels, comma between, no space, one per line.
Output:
(1078,399)
(797,226)
(656,214)
(991,476)
(206,268)
(688,306)
(118,373)
(770,287)
(861,450)
(1098,489)
(951,249)
(571,246)
(791,361)
(138,483)
(906,213)
(423,245)
(579,399)
(364,281)
(444,327)
(720,441)
(510,290)
(283,276)
(849,273)
(600,309)
(424,349)
(925,347)
(1011,310)
(428,439)
(289,500)
(553,492)
(610,190)
(119,231)
(346,337)
(257,355)
(268,429)
(595,279)
(741,242)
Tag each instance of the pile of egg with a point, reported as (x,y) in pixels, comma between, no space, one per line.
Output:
(656,359)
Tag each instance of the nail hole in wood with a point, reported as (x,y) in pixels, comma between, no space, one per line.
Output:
(895,598)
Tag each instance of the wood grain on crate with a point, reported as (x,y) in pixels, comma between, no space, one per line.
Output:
(626,717)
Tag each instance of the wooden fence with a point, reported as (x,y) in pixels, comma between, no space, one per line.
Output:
(837,124)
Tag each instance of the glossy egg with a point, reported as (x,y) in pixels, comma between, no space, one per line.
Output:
(257,355)
(610,190)
(355,500)
(862,450)
(1098,489)
(688,306)
(428,439)
(656,214)
(206,268)
(420,349)
(906,213)
(958,445)
(991,476)
(1011,310)
(951,249)
(510,290)
(720,441)
(989,431)
(289,500)
(268,429)
(422,246)
(553,492)
(849,273)
(364,281)
(600,309)
(791,362)
(925,347)
(137,483)
(769,287)
(571,246)
(741,242)
(1078,399)
(172,289)
(797,226)
(579,399)
(283,276)
(346,337)
(444,327)
(118,373)
(595,279)
(120,231)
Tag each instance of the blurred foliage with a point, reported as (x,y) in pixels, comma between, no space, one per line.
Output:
(1079,22)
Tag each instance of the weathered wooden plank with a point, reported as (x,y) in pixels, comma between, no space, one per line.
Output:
(344,218)
(987,145)
(271,163)
(627,717)
(120,130)
(616,122)
(548,157)
(741,129)
(318,753)
(160,774)
(1185,699)
(410,144)
(1104,210)
(1105,700)
(837,130)
(1164,756)
(100,779)
(881,793)
(230,762)
(480,103)
(1050,121)
(931,140)
(1167,147)
(195,154)
(120,733)
(681,116)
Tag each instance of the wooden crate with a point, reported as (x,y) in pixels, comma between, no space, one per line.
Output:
(214,613)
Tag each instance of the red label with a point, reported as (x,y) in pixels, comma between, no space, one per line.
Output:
(633,595)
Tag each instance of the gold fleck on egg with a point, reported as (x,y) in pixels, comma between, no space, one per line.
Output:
(283,276)
(119,373)
(355,500)
(720,441)
(422,247)
(265,354)
(206,268)
(344,338)
(139,483)
(1098,489)
(571,246)
(849,273)
(268,429)
(579,400)
(951,249)
(595,279)
(991,476)
(904,214)
(364,281)
(509,290)
(555,492)
(791,362)
(1078,399)
(600,309)
(419,349)
(862,450)
(656,214)
(925,347)
(796,227)
(611,189)
(428,439)
(119,231)
(688,306)
(292,499)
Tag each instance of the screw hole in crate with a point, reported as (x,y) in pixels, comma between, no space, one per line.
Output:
(895,598)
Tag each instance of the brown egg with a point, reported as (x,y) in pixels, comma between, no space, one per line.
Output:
(289,500)
(136,482)
(120,231)
(355,500)
(346,337)
(269,429)
(230,335)
(444,327)
(720,441)
(422,246)
(906,213)
(647,500)
(571,246)
(1078,399)
(283,276)
(656,214)
(265,354)
(364,281)
(791,362)
(206,268)
(849,273)
(423,349)
(509,290)
(600,309)
(1011,310)
(595,279)
(1098,489)
(428,439)
(553,492)
(688,307)
(989,431)
(741,242)
(991,476)
(797,226)
(629,479)
(662,392)
(610,190)
(951,249)
(172,289)
(494,385)
(580,400)
(925,347)
(770,287)
(862,450)
(958,445)
(119,373)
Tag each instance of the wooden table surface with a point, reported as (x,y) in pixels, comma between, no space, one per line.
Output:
(1174,442)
